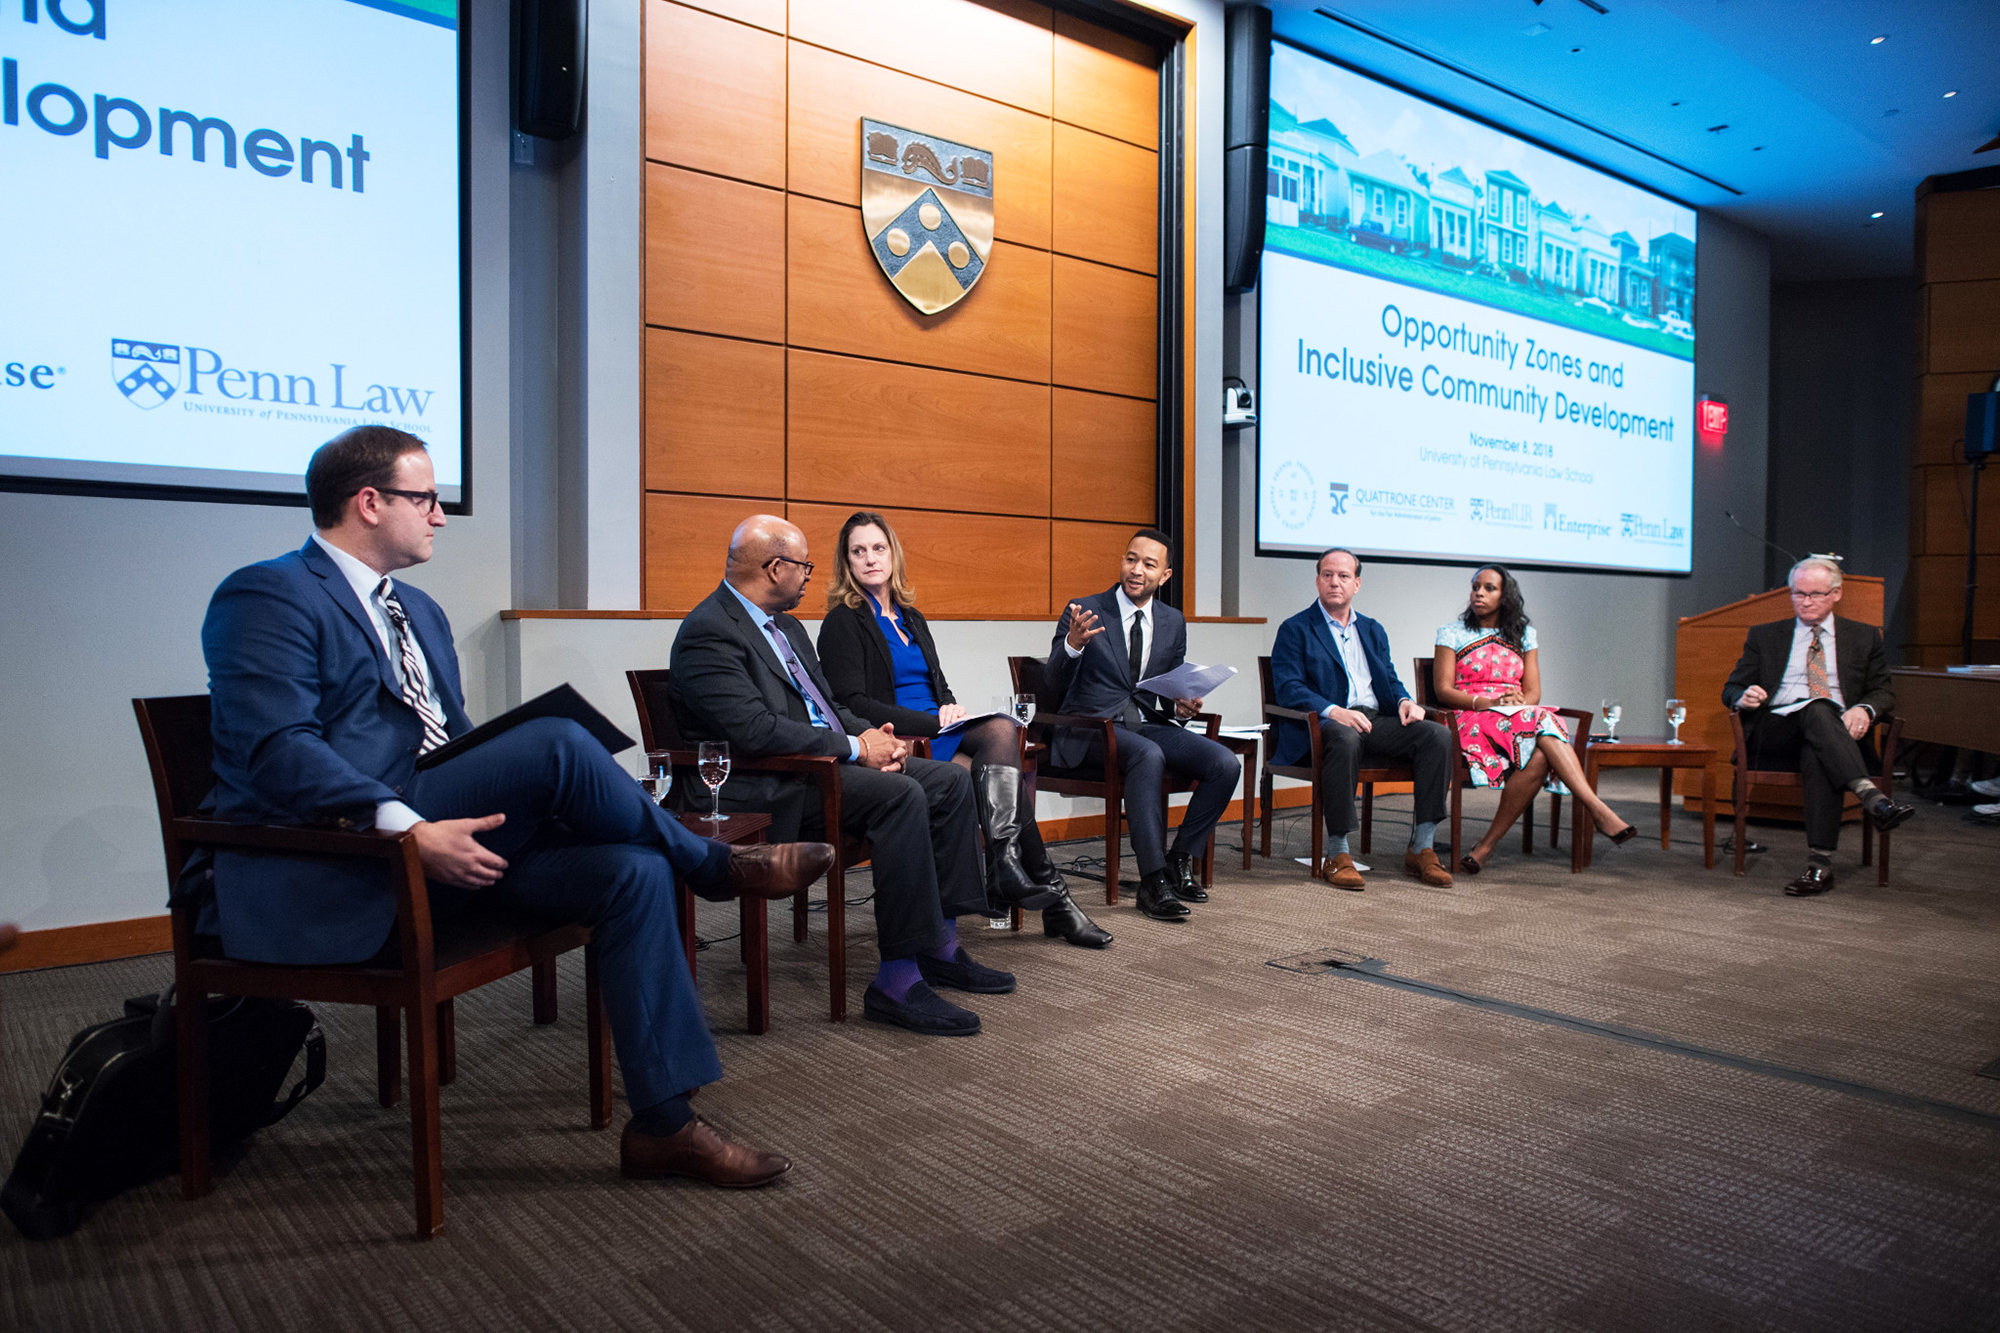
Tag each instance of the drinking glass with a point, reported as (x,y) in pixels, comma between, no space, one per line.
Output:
(658,779)
(1613,710)
(1677,713)
(1023,707)
(712,762)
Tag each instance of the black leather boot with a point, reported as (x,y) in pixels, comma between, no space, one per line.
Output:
(1065,919)
(998,792)
(1183,881)
(1035,856)
(1156,897)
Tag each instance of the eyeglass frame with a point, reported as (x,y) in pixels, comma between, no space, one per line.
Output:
(1814,596)
(427,500)
(806,565)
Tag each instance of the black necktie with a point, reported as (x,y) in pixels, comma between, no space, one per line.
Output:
(1135,661)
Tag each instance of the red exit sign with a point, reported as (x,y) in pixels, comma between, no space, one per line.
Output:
(1712,420)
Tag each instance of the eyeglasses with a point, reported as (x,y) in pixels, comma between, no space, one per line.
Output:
(425,501)
(1813,596)
(806,565)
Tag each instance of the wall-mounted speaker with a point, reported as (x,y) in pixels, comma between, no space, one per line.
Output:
(548,65)
(1982,423)
(1246,127)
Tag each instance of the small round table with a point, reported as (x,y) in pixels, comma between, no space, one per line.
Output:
(736,829)
(1661,753)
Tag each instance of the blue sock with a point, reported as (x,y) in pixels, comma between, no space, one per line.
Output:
(895,977)
(664,1119)
(1336,843)
(948,950)
(1423,835)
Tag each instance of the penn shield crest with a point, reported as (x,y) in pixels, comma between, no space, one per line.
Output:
(927,206)
(146,373)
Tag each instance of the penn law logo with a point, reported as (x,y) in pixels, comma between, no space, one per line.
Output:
(927,208)
(148,374)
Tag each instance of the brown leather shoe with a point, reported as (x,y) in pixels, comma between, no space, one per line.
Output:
(700,1150)
(1425,866)
(777,870)
(1338,870)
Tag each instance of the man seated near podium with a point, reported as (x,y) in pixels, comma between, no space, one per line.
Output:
(1097,675)
(1809,689)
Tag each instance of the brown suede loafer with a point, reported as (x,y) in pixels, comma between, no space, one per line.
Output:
(1425,866)
(702,1151)
(777,870)
(1338,870)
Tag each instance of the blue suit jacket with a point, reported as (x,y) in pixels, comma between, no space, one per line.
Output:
(310,728)
(1098,683)
(1307,673)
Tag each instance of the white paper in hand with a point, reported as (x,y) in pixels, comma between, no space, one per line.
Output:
(1189,680)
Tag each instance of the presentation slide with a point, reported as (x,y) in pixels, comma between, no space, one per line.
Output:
(1471,348)
(233,231)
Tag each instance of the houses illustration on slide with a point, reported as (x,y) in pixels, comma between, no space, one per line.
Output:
(1486,224)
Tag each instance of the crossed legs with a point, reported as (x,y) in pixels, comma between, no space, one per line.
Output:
(1551,753)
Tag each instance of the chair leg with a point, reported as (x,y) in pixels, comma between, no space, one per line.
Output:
(799,910)
(388,1057)
(1114,835)
(1367,818)
(597,1033)
(426,1145)
(1264,814)
(1016,914)
(447,1045)
(836,941)
(1318,817)
(1247,813)
(1457,804)
(1867,840)
(756,930)
(1555,821)
(1528,829)
(1739,806)
(191,1054)
(1882,865)
(543,975)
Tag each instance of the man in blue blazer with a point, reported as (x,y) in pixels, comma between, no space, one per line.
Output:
(328,679)
(1095,674)
(1332,660)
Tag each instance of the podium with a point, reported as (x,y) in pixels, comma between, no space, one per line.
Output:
(1706,648)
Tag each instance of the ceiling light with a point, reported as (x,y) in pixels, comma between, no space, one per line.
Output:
(1877,41)
(1952,93)
(1575,50)
(1874,215)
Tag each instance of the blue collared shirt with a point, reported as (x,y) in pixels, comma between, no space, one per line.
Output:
(1347,641)
(763,620)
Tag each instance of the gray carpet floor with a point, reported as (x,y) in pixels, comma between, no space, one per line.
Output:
(1177,1133)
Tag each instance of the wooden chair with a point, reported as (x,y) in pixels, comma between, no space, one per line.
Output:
(659,729)
(1746,777)
(437,961)
(1461,772)
(1367,776)
(1107,783)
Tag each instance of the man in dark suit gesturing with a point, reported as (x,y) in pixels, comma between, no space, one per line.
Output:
(1809,689)
(328,679)
(1096,674)
(745,672)
(1332,660)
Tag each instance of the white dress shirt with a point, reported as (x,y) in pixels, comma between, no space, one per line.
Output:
(390,816)
(1360,680)
(1793,692)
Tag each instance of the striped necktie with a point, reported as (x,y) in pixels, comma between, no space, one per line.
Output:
(416,681)
(1816,686)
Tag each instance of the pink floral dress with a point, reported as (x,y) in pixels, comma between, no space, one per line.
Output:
(1497,740)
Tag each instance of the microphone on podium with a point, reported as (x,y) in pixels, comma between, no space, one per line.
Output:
(1766,540)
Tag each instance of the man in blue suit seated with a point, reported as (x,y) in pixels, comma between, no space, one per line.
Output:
(1096,674)
(328,679)
(1332,660)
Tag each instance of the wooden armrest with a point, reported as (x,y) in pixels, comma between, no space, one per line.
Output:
(1290,714)
(1070,720)
(293,838)
(1211,723)
(811,765)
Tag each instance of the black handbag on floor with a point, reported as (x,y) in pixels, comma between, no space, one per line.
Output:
(110,1119)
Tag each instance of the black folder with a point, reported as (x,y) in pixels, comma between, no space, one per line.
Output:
(562,701)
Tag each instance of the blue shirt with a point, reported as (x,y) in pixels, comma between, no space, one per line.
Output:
(764,621)
(913,678)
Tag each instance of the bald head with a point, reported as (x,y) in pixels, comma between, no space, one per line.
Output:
(767,562)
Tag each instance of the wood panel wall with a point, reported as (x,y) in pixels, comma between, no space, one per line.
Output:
(1958,272)
(1010,439)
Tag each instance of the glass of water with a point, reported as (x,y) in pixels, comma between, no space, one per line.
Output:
(1023,707)
(712,762)
(1677,713)
(658,779)
(1612,710)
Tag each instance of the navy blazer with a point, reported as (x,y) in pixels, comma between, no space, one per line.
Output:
(310,728)
(1098,683)
(1307,674)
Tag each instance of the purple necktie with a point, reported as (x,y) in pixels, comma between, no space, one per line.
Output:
(803,678)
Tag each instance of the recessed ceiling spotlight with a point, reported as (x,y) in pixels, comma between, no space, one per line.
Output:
(1717,129)
(1877,41)
(1576,50)
(1758,149)
(1673,104)
(1952,93)
(1874,215)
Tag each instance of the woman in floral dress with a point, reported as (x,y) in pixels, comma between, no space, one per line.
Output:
(1487,667)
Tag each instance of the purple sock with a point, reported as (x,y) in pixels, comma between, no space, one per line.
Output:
(948,950)
(895,977)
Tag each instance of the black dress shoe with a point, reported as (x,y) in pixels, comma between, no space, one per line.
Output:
(1157,900)
(1815,880)
(1887,814)
(1181,879)
(1066,920)
(920,1010)
(961,973)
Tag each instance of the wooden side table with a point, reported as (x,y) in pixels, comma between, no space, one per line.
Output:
(737,830)
(1663,754)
